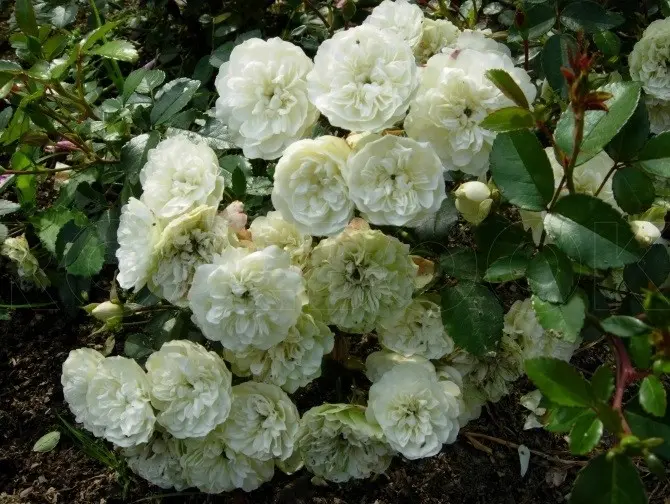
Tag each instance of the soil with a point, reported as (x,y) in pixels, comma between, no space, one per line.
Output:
(33,345)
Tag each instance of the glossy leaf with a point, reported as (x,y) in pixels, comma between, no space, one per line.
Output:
(631,139)
(559,381)
(121,50)
(653,396)
(608,480)
(550,275)
(563,321)
(555,54)
(506,269)
(585,435)
(504,82)
(651,270)
(463,264)
(589,17)
(655,155)
(602,383)
(25,17)
(633,190)
(624,326)
(508,119)
(172,98)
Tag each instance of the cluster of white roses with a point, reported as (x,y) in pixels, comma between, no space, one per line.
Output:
(269,296)
(649,63)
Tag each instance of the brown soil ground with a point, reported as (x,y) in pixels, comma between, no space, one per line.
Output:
(34,344)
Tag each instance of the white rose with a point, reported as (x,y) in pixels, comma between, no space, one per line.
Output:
(247,299)
(274,230)
(395,181)
(479,40)
(649,60)
(645,232)
(212,467)
(470,402)
(78,371)
(378,363)
(337,443)
(185,243)
(400,18)
(437,34)
(359,277)
(309,188)
(190,388)
(416,413)
(263,422)
(473,201)
(531,401)
(418,331)
(158,462)
(119,402)
(292,363)
(28,268)
(455,96)
(370,89)
(263,96)
(659,114)
(521,323)
(180,175)
(138,234)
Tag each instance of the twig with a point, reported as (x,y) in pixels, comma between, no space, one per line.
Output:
(516,446)
(609,174)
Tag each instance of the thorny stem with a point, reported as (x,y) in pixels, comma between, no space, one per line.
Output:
(626,375)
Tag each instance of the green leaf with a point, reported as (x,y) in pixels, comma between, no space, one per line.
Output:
(562,418)
(49,223)
(600,127)
(171,98)
(121,50)
(506,269)
(47,442)
(555,54)
(463,264)
(96,35)
(589,17)
(508,119)
(521,170)
(139,346)
(134,154)
(632,137)
(25,17)
(239,183)
(591,232)
(608,480)
(602,383)
(507,86)
(498,237)
(652,396)
(633,190)
(472,316)
(559,381)
(585,435)
(607,43)
(81,251)
(550,275)
(624,326)
(655,155)
(646,426)
(142,81)
(538,20)
(652,270)
(435,228)
(640,352)
(10,67)
(564,321)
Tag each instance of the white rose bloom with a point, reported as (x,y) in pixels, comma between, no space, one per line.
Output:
(309,188)
(359,277)
(531,401)
(28,268)
(213,467)
(187,242)
(180,175)
(158,462)
(371,88)
(263,96)
(400,18)
(395,181)
(263,422)
(470,402)
(292,363)
(659,114)
(378,363)
(649,60)
(437,34)
(646,233)
(416,413)
(337,443)
(418,331)
(138,234)
(521,323)
(473,201)
(190,388)
(274,230)
(247,299)
(78,371)
(488,378)
(533,221)
(455,96)
(119,402)
(479,40)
